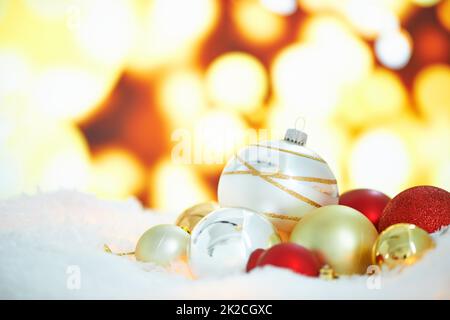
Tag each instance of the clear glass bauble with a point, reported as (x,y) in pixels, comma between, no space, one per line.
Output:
(222,242)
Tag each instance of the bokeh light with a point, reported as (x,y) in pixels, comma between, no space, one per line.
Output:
(441,177)
(343,57)
(299,84)
(433,155)
(48,9)
(377,98)
(104,29)
(15,79)
(370,17)
(425,3)
(282,7)
(256,23)
(116,174)
(42,156)
(170,30)
(380,160)
(431,91)
(177,187)
(394,49)
(217,135)
(315,6)
(69,93)
(443,14)
(3,8)
(102,96)
(237,81)
(182,97)
(308,77)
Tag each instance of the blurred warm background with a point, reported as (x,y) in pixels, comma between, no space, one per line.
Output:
(92,91)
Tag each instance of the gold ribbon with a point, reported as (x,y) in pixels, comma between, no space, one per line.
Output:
(186,228)
(278,185)
(282,216)
(107,249)
(278,175)
(289,151)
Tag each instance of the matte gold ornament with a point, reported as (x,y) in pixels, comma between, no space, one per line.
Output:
(401,244)
(281,179)
(162,244)
(341,236)
(191,216)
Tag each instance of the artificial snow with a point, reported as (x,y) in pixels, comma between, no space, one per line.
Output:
(51,247)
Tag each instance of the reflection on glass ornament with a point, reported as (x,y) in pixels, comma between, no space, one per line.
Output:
(222,242)
(281,179)
(400,245)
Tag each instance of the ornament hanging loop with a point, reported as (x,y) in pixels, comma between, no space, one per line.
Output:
(302,121)
(296,135)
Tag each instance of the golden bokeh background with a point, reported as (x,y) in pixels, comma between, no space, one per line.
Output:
(95,93)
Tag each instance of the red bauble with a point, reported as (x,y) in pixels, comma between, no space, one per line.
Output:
(291,256)
(425,206)
(253,259)
(369,202)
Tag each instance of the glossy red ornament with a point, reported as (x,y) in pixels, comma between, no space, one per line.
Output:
(291,256)
(369,202)
(253,259)
(425,206)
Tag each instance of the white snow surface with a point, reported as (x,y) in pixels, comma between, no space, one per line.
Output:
(43,235)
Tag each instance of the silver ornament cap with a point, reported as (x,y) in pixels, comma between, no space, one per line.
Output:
(296,136)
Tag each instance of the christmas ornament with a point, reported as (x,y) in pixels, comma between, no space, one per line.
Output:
(327,273)
(162,244)
(291,256)
(424,206)
(369,202)
(191,216)
(253,259)
(281,179)
(401,244)
(341,236)
(222,242)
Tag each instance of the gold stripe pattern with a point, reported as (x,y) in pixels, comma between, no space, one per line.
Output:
(284,176)
(289,151)
(278,185)
(282,216)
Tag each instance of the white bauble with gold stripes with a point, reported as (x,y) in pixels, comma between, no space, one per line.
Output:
(281,179)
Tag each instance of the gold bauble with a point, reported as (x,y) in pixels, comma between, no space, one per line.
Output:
(162,244)
(191,216)
(401,244)
(341,236)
